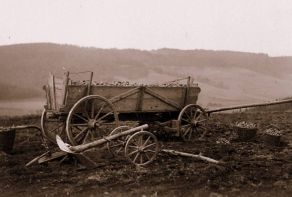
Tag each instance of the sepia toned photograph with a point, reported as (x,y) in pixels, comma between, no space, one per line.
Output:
(146,98)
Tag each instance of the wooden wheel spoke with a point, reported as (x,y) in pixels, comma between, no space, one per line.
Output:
(185,126)
(151,151)
(93,136)
(196,111)
(97,133)
(186,120)
(140,142)
(131,146)
(134,144)
(131,153)
(146,154)
(107,114)
(203,120)
(92,110)
(201,127)
(99,111)
(80,134)
(88,133)
(188,116)
(198,117)
(149,145)
(136,157)
(187,131)
(106,123)
(77,127)
(86,114)
(80,117)
(86,103)
(141,158)
(190,134)
(119,150)
(82,124)
(146,141)
(56,128)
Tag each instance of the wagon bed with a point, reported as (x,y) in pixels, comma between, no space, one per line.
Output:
(62,94)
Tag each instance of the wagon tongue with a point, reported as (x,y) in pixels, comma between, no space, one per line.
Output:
(62,145)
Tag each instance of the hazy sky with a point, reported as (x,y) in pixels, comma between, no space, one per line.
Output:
(241,25)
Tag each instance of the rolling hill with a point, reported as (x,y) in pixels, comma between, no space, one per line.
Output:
(226,77)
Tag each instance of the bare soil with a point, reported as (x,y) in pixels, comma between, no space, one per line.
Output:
(252,168)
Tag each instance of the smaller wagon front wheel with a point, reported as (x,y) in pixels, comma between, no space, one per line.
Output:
(192,122)
(116,146)
(141,148)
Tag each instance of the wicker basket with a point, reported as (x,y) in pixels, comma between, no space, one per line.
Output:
(7,140)
(272,140)
(245,134)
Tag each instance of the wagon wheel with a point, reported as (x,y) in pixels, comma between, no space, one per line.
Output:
(141,148)
(90,118)
(192,121)
(52,126)
(115,147)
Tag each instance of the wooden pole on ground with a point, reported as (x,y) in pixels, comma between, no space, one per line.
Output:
(178,153)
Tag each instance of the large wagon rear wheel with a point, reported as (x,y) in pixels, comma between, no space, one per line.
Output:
(91,118)
(192,122)
(52,126)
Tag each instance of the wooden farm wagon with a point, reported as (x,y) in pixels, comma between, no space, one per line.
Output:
(84,112)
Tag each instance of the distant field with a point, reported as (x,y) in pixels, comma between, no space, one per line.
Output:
(21,107)
(227,78)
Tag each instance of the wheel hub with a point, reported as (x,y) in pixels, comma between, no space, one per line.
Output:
(140,149)
(92,123)
(194,123)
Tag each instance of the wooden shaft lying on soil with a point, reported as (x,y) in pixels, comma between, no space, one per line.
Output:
(83,147)
(177,153)
(249,106)
(20,127)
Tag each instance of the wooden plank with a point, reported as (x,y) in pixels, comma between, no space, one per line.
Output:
(66,88)
(51,90)
(161,98)
(48,97)
(54,92)
(187,90)
(125,95)
(140,98)
(89,84)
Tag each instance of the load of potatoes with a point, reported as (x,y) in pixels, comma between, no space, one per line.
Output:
(127,84)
